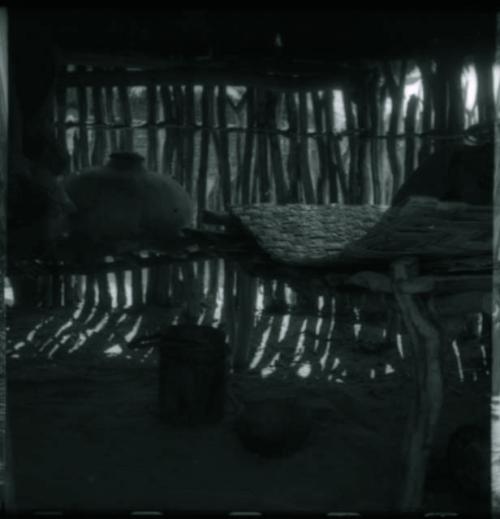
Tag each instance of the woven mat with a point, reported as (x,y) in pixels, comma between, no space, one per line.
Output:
(301,234)
(311,235)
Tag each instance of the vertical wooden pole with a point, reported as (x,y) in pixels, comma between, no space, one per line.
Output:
(152,115)
(375,117)
(6,469)
(178,110)
(223,148)
(428,390)
(325,174)
(261,171)
(111,116)
(246,169)
(191,282)
(98,158)
(495,325)
(305,171)
(246,292)
(339,177)
(275,149)
(363,122)
(427,80)
(81,150)
(169,143)
(294,153)
(152,164)
(127,134)
(189,123)
(207,120)
(441,99)
(127,143)
(99,148)
(410,123)
(456,108)
(396,91)
(485,96)
(84,155)
(354,187)
(68,296)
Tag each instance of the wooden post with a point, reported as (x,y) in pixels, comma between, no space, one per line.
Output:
(305,171)
(178,110)
(264,110)
(354,188)
(495,336)
(6,469)
(294,150)
(152,164)
(246,293)
(223,148)
(127,143)
(153,289)
(127,134)
(213,281)
(98,158)
(191,290)
(440,87)
(189,121)
(427,80)
(410,122)
(236,184)
(60,95)
(364,180)
(83,142)
(335,152)
(152,111)
(111,116)
(386,178)
(375,123)
(428,389)
(246,167)
(99,149)
(89,295)
(207,121)
(281,191)
(333,169)
(229,307)
(325,176)
(396,92)
(456,108)
(485,97)
(169,143)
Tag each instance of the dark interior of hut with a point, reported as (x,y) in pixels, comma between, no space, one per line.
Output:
(248,259)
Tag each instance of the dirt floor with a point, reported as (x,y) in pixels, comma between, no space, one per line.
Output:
(86,436)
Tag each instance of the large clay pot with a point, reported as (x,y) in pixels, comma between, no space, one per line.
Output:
(123,202)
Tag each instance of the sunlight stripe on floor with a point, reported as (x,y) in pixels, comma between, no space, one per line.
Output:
(259,351)
(329,345)
(133,332)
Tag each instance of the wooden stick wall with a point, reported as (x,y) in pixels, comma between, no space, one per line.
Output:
(228,145)
(248,145)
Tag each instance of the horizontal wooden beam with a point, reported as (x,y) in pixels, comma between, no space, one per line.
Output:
(207,74)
